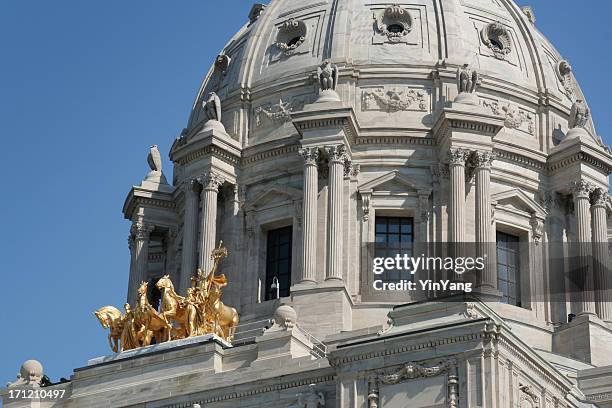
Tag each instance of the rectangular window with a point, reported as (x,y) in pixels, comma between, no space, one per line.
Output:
(278,261)
(508,268)
(394,235)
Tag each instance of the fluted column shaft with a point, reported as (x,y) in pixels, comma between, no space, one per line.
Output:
(456,202)
(482,171)
(584,299)
(208,225)
(309,213)
(190,231)
(141,232)
(337,158)
(601,259)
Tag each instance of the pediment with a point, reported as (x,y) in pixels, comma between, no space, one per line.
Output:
(393,182)
(515,199)
(274,196)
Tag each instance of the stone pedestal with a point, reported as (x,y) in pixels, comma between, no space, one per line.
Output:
(275,348)
(585,338)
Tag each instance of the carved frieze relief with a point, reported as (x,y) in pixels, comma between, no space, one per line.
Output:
(515,117)
(278,113)
(395,99)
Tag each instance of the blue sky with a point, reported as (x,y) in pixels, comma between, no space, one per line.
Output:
(85,88)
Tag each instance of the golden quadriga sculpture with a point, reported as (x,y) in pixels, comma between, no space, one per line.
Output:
(200,312)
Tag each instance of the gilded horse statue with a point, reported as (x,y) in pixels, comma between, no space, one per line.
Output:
(224,318)
(147,322)
(200,312)
(178,309)
(111,318)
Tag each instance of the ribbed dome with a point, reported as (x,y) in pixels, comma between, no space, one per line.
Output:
(397,65)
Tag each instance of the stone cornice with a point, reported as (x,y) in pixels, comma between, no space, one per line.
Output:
(139,197)
(326,115)
(271,154)
(576,150)
(219,146)
(277,386)
(519,159)
(604,166)
(395,140)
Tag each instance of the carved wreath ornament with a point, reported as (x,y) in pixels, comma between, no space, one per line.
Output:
(291,34)
(413,371)
(497,38)
(395,23)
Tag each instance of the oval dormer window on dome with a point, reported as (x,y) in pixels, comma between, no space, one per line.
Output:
(395,22)
(497,38)
(291,34)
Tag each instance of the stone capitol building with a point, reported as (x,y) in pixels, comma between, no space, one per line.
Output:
(324,126)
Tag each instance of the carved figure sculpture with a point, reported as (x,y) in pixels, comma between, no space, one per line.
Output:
(328,76)
(467,82)
(579,115)
(467,79)
(154,159)
(212,107)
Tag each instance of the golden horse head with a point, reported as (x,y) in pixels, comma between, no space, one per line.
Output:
(108,316)
(164,283)
(144,287)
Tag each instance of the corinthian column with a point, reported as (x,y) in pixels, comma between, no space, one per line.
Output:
(482,171)
(208,227)
(190,230)
(584,299)
(456,202)
(337,157)
(309,214)
(141,232)
(601,261)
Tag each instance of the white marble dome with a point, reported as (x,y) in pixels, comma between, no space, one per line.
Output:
(397,64)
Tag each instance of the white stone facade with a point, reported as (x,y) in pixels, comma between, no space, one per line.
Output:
(456,114)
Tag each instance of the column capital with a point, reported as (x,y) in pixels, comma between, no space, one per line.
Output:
(310,155)
(142,230)
(599,198)
(190,185)
(210,181)
(457,157)
(336,154)
(581,189)
(481,159)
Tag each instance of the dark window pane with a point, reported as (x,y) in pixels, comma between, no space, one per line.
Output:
(394,236)
(508,272)
(278,260)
